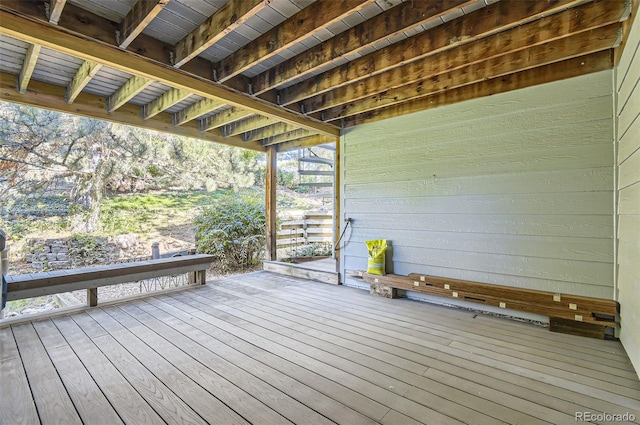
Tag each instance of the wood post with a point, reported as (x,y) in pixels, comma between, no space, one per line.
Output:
(270,203)
(92,297)
(337,230)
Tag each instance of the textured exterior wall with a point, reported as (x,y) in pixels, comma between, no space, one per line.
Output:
(514,189)
(628,132)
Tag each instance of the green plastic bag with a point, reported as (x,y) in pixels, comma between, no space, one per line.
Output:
(376,259)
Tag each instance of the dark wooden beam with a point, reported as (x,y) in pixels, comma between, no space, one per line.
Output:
(303,24)
(489,20)
(48,96)
(226,19)
(356,39)
(603,38)
(138,18)
(557,71)
(425,70)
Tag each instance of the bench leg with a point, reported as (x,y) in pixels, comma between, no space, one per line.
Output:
(383,290)
(198,277)
(92,297)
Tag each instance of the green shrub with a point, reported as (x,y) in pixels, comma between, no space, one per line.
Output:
(233,230)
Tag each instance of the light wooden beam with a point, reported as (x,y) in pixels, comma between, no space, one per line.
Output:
(62,41)
(337,210)
(127,92)
(48,96)
(565,48)
(29,64)
(489,20)
(265,133)
(578,20)
(225,20)
(303,24)
(196,110)
(557,71)
(247,124)
(223,118)
(305,142)
(356,39)
(138,18)
(163,102)
(83,76)
(286,137)
(271,180)
(55,10)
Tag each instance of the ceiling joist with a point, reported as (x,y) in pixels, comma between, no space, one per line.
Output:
(29,64)
(223,118)
(138,18)
(54,11)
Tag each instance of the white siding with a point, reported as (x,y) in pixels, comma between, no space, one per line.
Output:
(628,131)
(514,189)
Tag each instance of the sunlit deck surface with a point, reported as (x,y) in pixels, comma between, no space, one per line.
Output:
(266,349)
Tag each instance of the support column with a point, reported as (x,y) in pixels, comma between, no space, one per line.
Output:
(338,220)
(270,203)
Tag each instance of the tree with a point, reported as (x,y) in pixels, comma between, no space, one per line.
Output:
(45,152)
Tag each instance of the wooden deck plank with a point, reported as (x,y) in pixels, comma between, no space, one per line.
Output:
(276,405)
(16,404)
(93,407)
(630,385)
(50,395)
(445,399)
(216,340)
(130,405)
(265,348)
(457,367)
(534,380)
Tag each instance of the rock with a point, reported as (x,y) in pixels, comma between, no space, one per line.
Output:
(51,257)
(37,265)
(62,256)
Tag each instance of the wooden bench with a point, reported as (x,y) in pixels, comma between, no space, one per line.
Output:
(572,314)
(90,278)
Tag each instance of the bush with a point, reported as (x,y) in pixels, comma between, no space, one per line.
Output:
(233,230)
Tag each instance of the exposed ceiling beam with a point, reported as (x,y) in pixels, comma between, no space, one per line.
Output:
(225,20)
(557,71)
(55,10)
(223,118)
(356,39)
(304,142)
(285,137)
(266,133)
(29,64)
(489,20)
(83,76)
(246,125)
(48,96)
(547,29)
(138,18)
(565,48)
(164,101)
(300,26)
(196,110)
(62,41)
(127,91)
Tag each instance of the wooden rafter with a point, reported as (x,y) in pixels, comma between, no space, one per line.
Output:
(60,40)
(83,76)
(492,19)
(557,71)
(266,133)
(138,18)
(598,39)
(226,19)
(224,118)
(55,10)
(127,91)
(303,24)
(163,102)
(29,64)
(303,142)
(356,39)
(247,124)
(196,110)
(285,137)
(48,96)
(545,30)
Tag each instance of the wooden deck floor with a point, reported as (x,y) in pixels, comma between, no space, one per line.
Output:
(267,349)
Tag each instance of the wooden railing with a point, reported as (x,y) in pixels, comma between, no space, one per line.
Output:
(312,227)
(90,278)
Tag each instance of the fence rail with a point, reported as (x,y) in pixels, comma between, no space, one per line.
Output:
(316,227)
